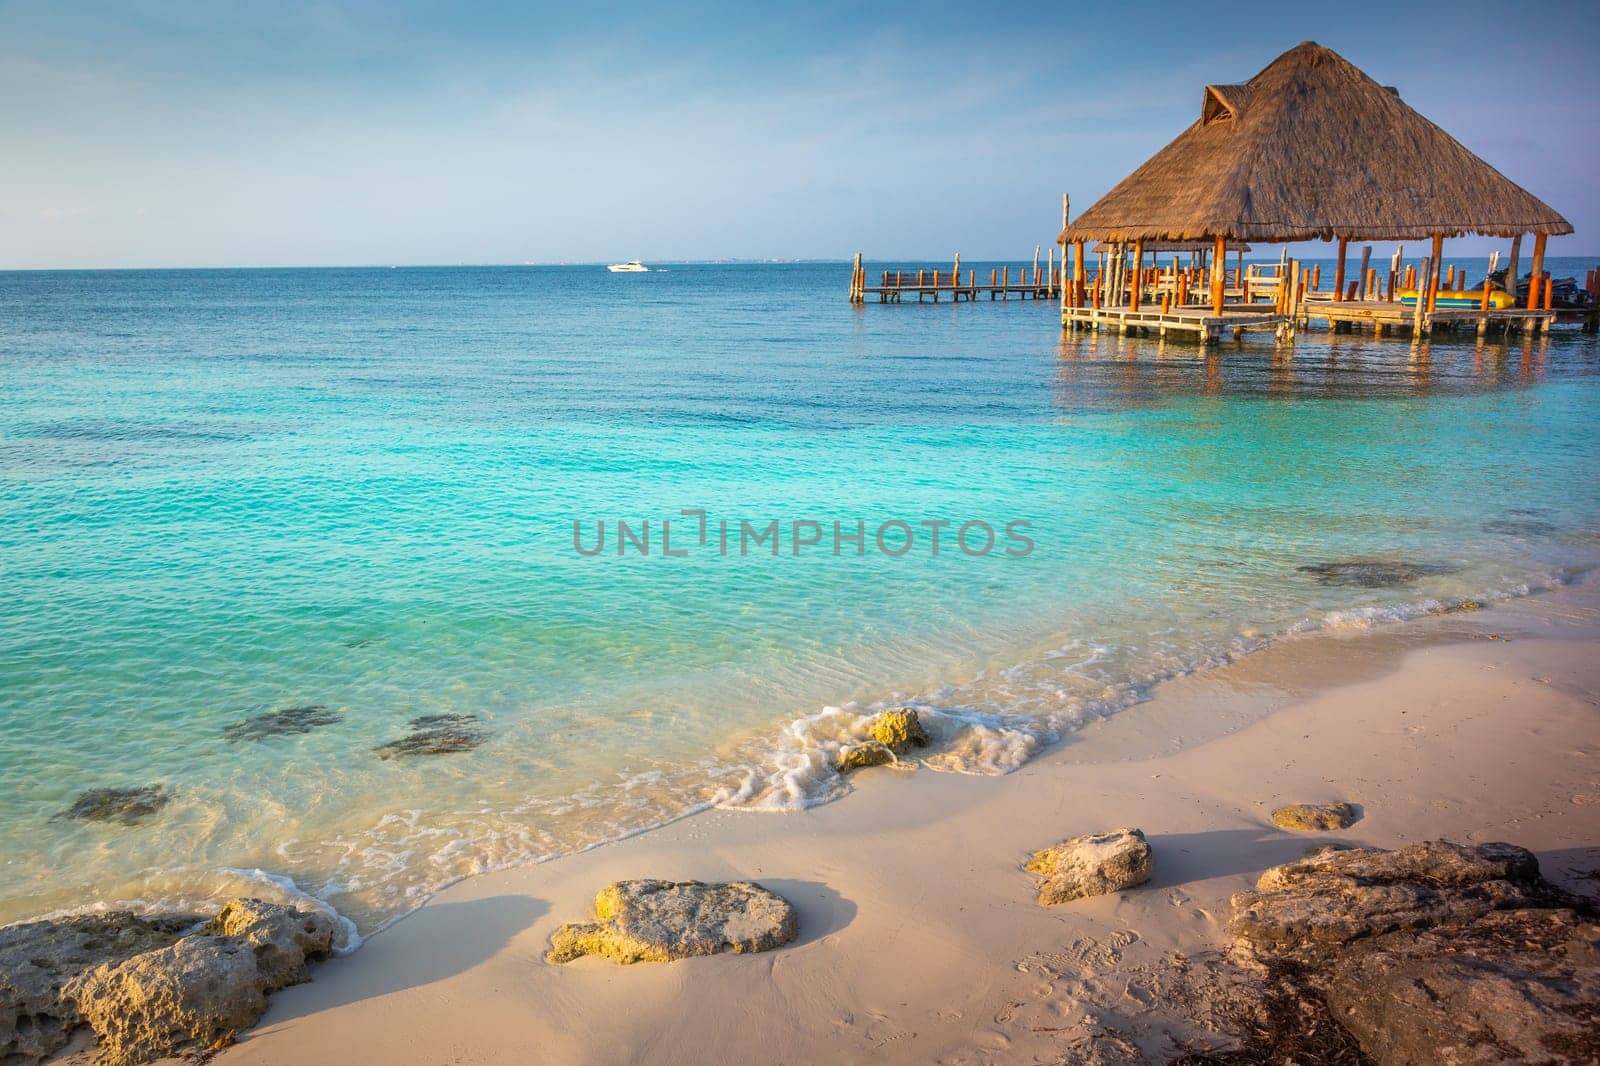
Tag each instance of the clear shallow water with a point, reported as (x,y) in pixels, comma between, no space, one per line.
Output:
(224,493)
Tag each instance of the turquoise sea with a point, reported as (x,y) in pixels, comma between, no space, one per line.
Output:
(349,496)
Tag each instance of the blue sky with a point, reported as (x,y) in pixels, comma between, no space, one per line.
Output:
(168,133)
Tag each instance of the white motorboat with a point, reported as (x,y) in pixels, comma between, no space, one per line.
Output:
(632,266)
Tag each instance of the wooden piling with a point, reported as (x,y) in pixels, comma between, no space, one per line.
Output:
(1219,264)
(1136,276)
(1538,268)
(1077,272)
(1433,275)
(1338,270)
(1511,267)
(1421,306)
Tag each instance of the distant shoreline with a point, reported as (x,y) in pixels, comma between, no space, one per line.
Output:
(1587,258)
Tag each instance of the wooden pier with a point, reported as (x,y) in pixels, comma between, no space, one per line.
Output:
(1385,317)
(1318,183)
(1207,301)
(894,286)
(1210,302)
(897,284)
(1202,323)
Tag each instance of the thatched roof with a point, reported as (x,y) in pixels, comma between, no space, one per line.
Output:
(1312,149)
(1172,246)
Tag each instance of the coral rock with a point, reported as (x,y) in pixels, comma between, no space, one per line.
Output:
(1435,953)
(898,729)
(198,991)
(1305,909)
(1092,865)
(1315,817)
(1511,986)
(37,958)
(658,921)
(855,756)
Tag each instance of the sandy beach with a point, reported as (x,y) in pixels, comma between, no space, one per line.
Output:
(920,938)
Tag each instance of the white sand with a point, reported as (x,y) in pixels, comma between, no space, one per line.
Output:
(920,938)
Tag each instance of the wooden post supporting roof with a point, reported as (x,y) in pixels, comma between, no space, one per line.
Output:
(1432,283)
(1219,263)
(1511,267)
(1422,302)
(1538,267)
(1077,272)
(1067,300)
(1138,269)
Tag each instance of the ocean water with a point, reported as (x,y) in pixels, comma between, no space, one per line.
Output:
(351,494)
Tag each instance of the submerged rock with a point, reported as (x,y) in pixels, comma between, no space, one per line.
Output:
(201,989)
(435,734)
(1315,817)
(658,921)
(130,806)
(856,756)
(1092,865)
(1309,908)
(898,729)
(37,958)
(1519,527)
(1373,573)
(290,720)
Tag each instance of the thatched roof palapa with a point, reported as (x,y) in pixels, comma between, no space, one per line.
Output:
(1312,149)
(1172,246)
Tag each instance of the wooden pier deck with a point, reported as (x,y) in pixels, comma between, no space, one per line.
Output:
(1203,323)
(898,284)
(1212,304)
(1385,316)
(1035,283)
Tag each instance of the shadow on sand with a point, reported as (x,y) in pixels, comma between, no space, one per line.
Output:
(1181,857)
(822,911)
(457,937)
